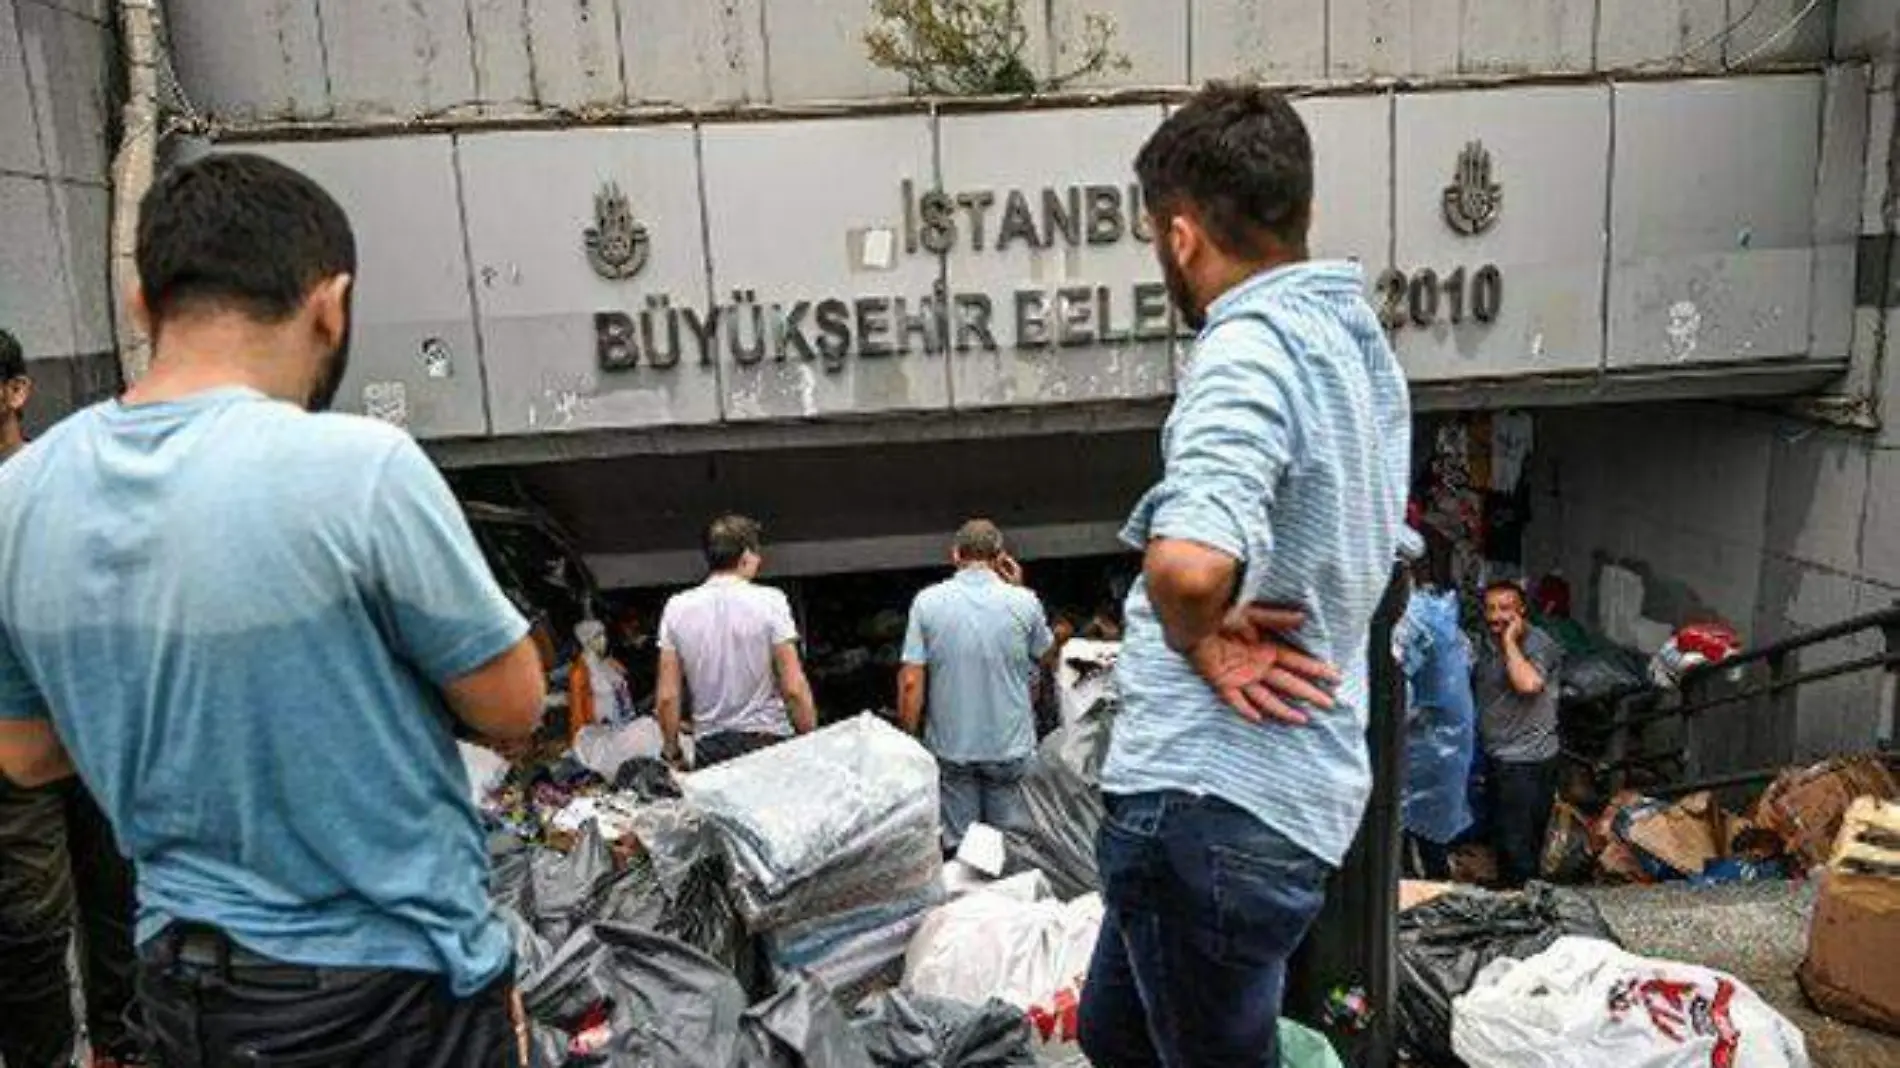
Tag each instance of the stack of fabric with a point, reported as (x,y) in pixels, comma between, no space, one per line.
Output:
(833,840)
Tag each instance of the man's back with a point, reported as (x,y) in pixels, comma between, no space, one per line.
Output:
(1290,438)
(724,632)
(979,637)
(240,615)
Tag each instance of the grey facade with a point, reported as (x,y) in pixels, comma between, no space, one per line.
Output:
(1696,204)
(57,75)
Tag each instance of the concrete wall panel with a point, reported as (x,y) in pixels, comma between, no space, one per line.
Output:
(68,62)
(1817,499)
(414,360)
(576,48)
(82,217)
(692,51)
(1548,148)
(99,11)
(1880,554)
(1370,38)
(1661,34)
(1272,40)
(530,200)
(1528,36)
(1791,31)
(1352,178)
(19,132)
(1033,152)
(788,224)
(251,61)
(821,52)
(35,302)
(398,57)
(501,55)
(1711,234)
(1866,28)
(1837,194)
(1151,34)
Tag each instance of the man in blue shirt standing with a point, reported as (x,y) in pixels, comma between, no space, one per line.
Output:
(975,641)
(248,625)
(1238,770)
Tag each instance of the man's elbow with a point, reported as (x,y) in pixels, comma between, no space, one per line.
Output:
(1183,572)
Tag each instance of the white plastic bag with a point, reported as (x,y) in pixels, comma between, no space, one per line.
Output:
(601,748)
(485,769)
(1584,1003)
(1009,942)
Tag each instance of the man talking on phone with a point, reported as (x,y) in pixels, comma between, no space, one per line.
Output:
(970,659)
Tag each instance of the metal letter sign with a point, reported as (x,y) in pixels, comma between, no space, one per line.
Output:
(617,242)
(1473,200)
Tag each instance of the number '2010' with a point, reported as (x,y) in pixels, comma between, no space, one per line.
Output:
(1419,299)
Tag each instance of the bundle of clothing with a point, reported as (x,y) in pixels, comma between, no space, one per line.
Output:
(834,848)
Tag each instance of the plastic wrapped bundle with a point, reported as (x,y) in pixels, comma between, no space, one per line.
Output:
(854,953)
(840,819)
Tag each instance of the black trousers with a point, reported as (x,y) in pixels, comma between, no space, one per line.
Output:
(211,1004)
(1521,798)
(716,749)
(58,864)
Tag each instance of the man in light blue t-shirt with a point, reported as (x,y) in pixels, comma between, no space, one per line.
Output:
(249,627)
(975,641)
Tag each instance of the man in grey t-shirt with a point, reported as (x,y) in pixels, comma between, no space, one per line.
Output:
(1516,683)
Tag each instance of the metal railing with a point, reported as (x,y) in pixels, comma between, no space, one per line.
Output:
(1768,674)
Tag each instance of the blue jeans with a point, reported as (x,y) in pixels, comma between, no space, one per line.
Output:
(1205,905)
(989,793)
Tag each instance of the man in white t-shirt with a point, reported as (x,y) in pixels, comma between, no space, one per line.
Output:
(733,646)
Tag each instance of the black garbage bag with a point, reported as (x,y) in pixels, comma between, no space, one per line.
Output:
(667,1003)
(646,779)
(531,950)
(1064,813)
(1446,942)
(567,888)
(509,862)
(917,1031)
(801,1027)
(697,910)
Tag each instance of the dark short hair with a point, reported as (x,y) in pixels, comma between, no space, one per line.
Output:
(239,231)
(729,538)
(978,539)
(1510,587)
(1240,157)
(12,358)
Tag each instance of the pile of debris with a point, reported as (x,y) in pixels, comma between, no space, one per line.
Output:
(1787,832)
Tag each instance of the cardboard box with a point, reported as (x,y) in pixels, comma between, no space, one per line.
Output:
(1685,836)
(1805,807)
(1854,941)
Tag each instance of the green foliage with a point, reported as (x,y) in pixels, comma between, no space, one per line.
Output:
(975,47)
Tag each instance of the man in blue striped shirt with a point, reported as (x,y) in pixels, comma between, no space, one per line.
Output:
(1238,771)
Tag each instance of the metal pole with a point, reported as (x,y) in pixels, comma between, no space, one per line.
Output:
(1384,830)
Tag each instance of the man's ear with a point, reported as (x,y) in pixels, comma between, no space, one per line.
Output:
(329,307)
(137,309)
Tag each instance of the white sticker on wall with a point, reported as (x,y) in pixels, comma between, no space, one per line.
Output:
(388,401)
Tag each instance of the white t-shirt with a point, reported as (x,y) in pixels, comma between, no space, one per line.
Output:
(724,632)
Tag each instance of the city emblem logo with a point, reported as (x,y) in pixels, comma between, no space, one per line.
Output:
(617,242)
(1472,200)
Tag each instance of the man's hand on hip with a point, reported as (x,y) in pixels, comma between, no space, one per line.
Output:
(1249,662)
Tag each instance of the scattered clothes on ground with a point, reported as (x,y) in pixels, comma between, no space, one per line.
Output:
(1585,1003)
(1854,942)
(1446,942)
